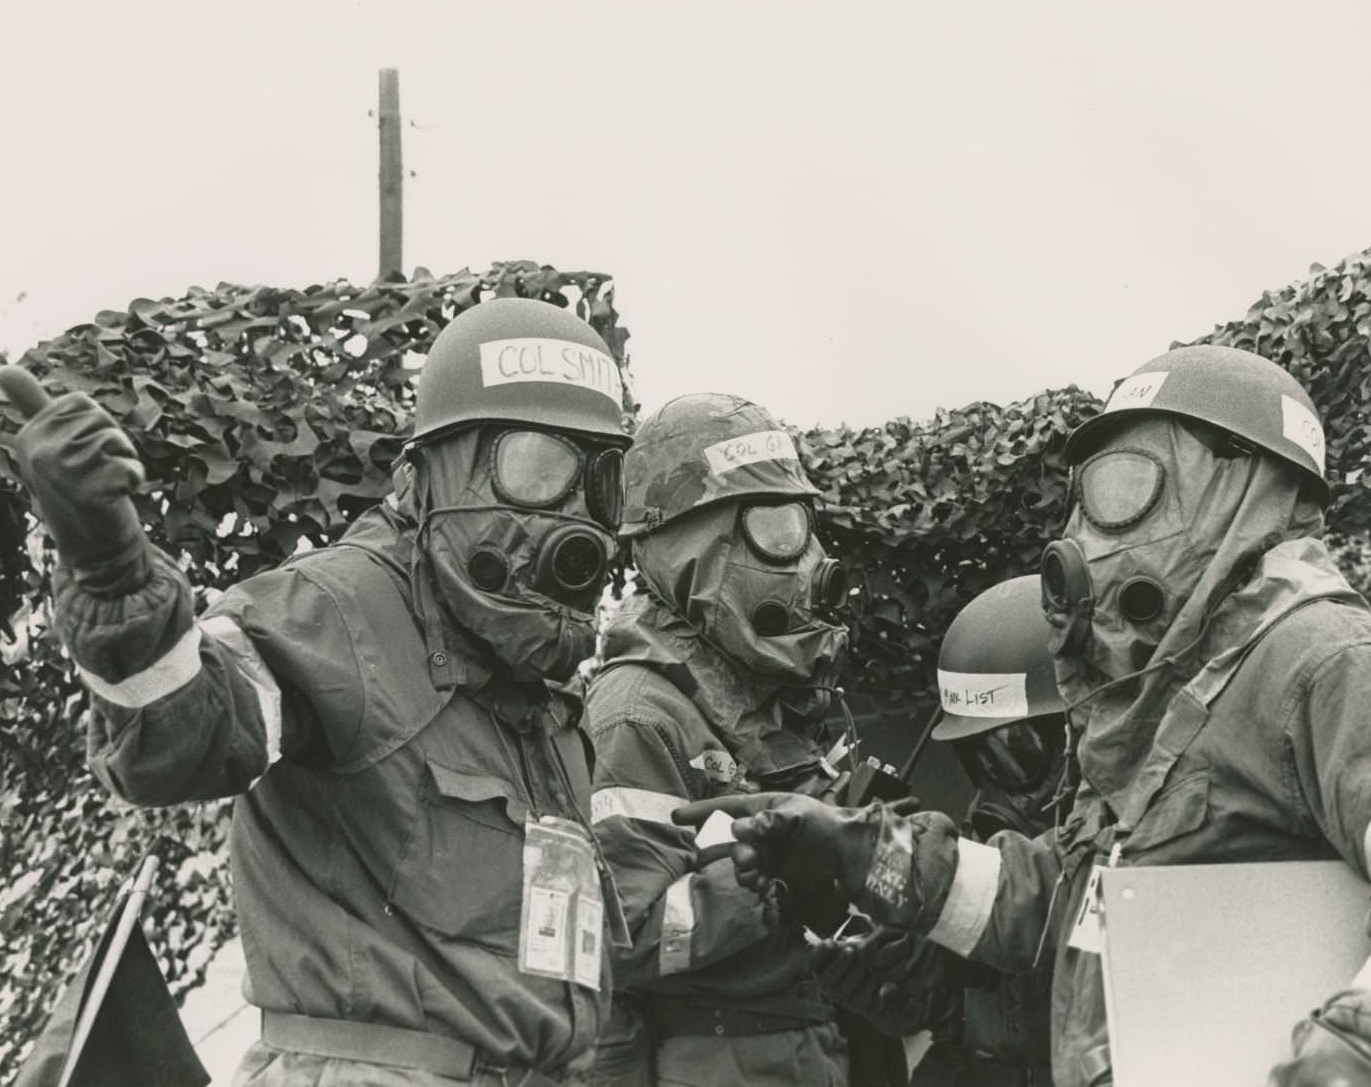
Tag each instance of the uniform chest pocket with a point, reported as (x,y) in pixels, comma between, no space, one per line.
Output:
(461,872)
(1178,810)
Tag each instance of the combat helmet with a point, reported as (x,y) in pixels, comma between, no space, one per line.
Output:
(1239,392)
(705,448)
(523,362)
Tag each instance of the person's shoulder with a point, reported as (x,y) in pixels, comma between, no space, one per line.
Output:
(1308,641)
(359,583)
(632,692)
(1324,622)
(334,587)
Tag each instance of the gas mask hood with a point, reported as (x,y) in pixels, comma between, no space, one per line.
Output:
(759,590)
(1166,523)
(526,581)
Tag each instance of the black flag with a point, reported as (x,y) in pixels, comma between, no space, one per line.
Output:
(116,1025)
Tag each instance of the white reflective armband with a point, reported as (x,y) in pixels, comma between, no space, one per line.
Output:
(177,667)
(967,909)
(642,804)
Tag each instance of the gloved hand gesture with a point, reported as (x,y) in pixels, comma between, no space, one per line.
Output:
(898,869)
(898,982)
(80,468)
(1332,1047)
(796,840)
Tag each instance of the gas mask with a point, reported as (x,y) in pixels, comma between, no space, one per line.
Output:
(1151,510)
(1169,520)
(753,580)
(1017,770)
(516,526)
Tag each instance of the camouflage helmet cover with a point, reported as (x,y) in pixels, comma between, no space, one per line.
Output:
(705,448)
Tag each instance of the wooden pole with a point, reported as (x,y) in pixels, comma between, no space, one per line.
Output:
(391,174)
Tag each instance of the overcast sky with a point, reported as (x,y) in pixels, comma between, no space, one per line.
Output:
(846,210)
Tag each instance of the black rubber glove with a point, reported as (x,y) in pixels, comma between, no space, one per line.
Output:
(897,869)
(896,981)
(80,468)
(803,843)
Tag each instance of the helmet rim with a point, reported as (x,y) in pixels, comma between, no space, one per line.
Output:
(519,362)
(1237,391)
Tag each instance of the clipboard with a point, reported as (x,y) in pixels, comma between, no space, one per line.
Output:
(1208,967)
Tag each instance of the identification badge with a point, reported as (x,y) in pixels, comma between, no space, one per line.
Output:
(561,921)
(1087,934)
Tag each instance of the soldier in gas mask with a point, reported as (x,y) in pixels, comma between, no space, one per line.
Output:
(1001,710)
(413,794)
(1002,713)
(716,679)
(1216,667)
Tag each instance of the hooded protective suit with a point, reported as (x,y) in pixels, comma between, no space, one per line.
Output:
(694,701)
(1222,723)
(401,766)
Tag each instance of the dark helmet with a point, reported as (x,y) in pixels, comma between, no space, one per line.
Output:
(994,666)
(706,448)
(1237,391)
(520,361)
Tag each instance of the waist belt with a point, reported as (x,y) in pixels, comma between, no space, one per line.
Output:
(377,1043)
(674,1016)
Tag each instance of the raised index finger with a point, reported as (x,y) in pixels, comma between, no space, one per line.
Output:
(738,805)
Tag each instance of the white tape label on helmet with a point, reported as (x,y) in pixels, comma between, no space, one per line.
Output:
(559,362)
(749,449)
(1302,427)
(1137,391)
(984,694)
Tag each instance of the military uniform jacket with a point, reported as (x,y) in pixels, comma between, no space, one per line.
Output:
(377,860)
(672,722)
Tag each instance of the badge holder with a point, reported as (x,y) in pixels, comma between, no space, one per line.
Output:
(561,921)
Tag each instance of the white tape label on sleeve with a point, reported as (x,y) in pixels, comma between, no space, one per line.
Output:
(559,362)
(1137,391)
(749,449)
(717,764)
(984,694)
(1302,426)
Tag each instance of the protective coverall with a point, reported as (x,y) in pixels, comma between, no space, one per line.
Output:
(1273,765)
(725,990)
(343,915)
(1250,745)
(415,875)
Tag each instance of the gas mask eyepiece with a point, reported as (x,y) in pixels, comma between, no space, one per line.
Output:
(536,470)
(777,533)
(1117,488)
